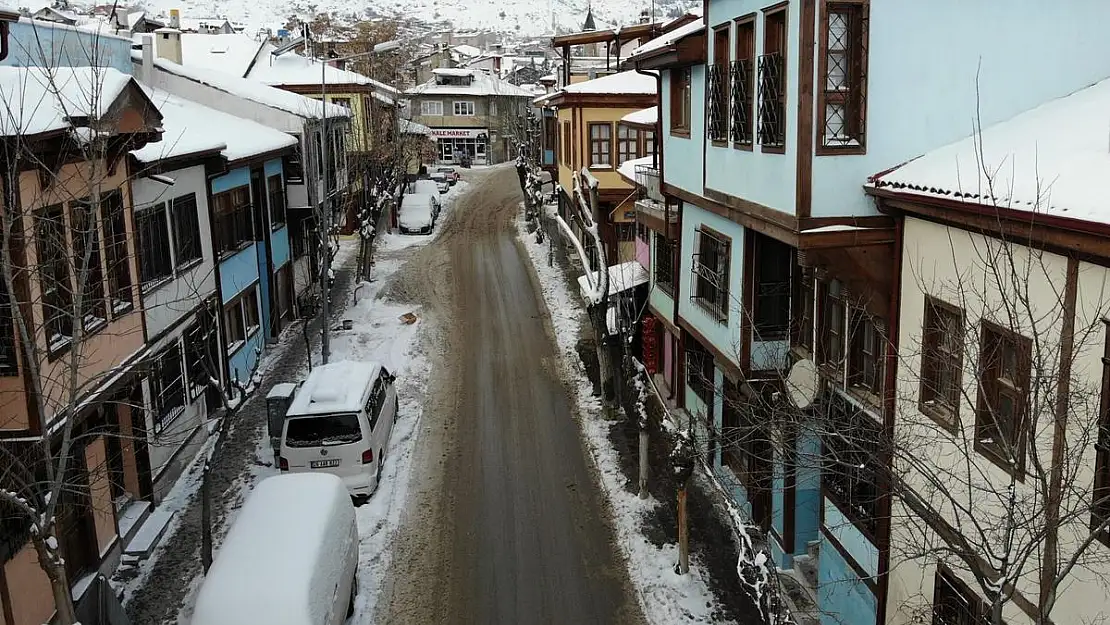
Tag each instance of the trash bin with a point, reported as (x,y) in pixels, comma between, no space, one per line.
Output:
(277,404)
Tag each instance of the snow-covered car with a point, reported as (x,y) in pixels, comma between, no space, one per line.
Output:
(426,186)
(419,212)
(451,173)
(290,557)
(441,182)
(340,423)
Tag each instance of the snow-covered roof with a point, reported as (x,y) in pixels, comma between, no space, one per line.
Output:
(202,23)
(190,128)
(627,169)
(409,127)
(453,71)
(670,38)
(621,278)
(623,83)
(230,53)
(335,387)
(294,69)
(283,558)
(36,100)
(251,90)
(643,117)
(1052,159)
(8,14)
(482,84)
(466,50)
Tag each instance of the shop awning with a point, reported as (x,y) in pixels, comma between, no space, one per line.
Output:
(621,278)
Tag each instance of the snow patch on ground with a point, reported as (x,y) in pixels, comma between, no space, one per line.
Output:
(665,597)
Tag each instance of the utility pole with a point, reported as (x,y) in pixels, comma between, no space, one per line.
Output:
(682,463)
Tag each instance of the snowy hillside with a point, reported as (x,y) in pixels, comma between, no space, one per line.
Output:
(524,17)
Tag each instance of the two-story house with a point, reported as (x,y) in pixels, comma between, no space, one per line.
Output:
(470,113)
(1004,380)
(302,170)
(588,116)
(786,277)
(72,332)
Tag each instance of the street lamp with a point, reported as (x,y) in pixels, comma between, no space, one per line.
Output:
(325,192)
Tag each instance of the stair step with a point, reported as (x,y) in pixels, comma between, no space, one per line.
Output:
(806,566)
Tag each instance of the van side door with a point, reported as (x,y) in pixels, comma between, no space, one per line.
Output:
(374,405)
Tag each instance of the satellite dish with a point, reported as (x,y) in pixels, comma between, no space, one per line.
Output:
(801,383)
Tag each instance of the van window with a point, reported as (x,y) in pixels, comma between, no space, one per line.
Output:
(334,429)
(376,402)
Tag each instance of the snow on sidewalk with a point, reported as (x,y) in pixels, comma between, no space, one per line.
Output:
(665,597)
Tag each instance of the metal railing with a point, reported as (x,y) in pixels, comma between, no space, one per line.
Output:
(648,183)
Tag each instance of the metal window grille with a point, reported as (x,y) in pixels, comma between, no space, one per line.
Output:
(717,126)
(741,107)
(772,112)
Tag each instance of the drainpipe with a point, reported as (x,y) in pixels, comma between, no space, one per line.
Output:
(890,380)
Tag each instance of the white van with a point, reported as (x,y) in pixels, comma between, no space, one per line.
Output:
(340,422)
(289,559)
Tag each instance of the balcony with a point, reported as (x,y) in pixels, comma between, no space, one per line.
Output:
(651,205)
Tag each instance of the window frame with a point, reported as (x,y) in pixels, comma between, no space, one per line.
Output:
(681,104)
(117,253)
(840,487)
(631,139)
(54,270)
(745,63)
(597,145)
(770,329)
(426,110)
(996,387)
(804,309)
(95,316)
(231,214)
(9,343)
(864,328)
(946,412)
(699,363)
(276,201)
(853,98)
(161,264)
(975,610)
(659,267)
(468,105)
(828,300)
(186,252)
(774,46)
(713,299)
(238,321)
(166,413)
(717,87)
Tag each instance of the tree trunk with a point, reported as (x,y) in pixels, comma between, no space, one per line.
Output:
(53,565)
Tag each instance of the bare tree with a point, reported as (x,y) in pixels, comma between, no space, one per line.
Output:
(65,263)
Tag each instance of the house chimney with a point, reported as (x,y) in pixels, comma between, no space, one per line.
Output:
(148,59)
(175,19)
(645,17)
(169,44)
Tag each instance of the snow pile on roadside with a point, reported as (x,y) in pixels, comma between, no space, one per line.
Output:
(665,597)
(378,333)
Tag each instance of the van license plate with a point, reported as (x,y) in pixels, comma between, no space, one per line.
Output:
(323,464)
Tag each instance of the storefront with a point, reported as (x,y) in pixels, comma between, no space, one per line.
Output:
(455,142)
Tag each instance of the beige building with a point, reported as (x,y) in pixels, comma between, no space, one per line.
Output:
(1003,420)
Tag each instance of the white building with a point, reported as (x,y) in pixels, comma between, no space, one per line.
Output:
(1005,295)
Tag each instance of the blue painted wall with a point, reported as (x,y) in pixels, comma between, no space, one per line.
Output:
(660,300)
(725,337)
(858,547)
(235,178)
(264,284)
(244,359)
(272,167)
(239,271)
(549,157)
(842,597)
(807,489)
(279,246)
(34,43)
(682,158)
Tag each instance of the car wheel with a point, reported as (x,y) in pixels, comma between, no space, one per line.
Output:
(396,409)
(381,467)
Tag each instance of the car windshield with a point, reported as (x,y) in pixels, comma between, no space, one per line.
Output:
(334,429)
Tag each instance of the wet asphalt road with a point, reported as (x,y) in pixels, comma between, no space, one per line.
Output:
(507,524)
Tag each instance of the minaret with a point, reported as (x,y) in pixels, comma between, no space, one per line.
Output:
(589,25)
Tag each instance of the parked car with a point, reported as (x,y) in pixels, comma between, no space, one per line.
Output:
(451,173)
(419,212)
(340,423)
(465,161)
(290,557)
(425,185)
(441,182)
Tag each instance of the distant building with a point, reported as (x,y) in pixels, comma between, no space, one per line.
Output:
(470,112)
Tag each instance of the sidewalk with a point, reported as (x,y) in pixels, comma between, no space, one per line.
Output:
(155,589)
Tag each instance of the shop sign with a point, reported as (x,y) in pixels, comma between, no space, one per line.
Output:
(458,133)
